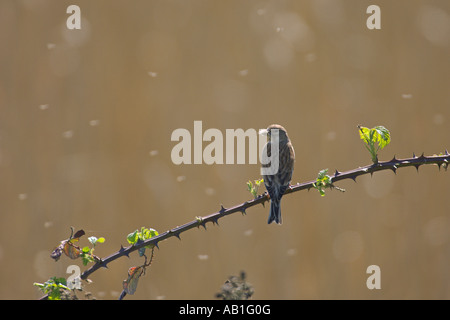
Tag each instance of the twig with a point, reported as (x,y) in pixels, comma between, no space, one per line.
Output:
(441,160)
(394,164)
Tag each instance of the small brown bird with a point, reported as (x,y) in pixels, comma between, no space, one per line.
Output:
(276,184)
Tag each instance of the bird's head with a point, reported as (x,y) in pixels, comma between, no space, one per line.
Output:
(282,133)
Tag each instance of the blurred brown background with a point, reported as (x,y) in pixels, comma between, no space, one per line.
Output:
(86,118)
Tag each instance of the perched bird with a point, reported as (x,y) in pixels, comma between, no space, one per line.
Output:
(276,184)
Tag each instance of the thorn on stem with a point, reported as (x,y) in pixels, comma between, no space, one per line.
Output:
(394,169)
(122,249)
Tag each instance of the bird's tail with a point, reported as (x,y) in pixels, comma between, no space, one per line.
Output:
(275,212)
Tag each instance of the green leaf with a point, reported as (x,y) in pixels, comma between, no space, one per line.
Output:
(53,287)
(322,174)
(153,233)
(39,285)
(132,238)
(375,139)
(144,234)
(147,233)
(258,182)
(322,192)
(59,280)
(86,258)
(86,249)
(141,251)
(323,181)
(101,240)
(254,189)
(382,136)
(364,134)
